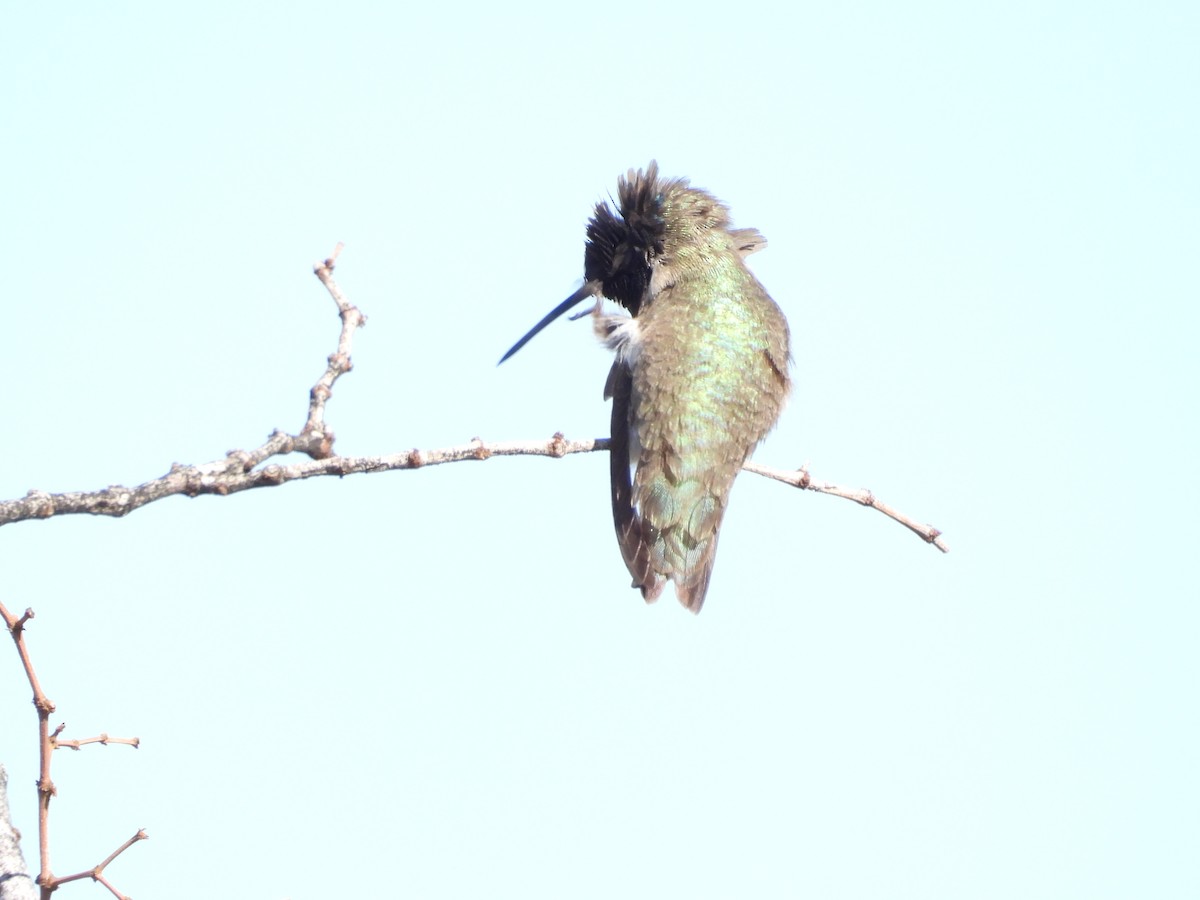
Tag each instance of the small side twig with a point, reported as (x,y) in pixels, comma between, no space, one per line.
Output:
(314,438)
(101,738)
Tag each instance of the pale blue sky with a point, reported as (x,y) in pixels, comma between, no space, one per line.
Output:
(983,227)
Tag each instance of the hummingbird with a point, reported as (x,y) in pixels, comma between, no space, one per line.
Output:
(700,373)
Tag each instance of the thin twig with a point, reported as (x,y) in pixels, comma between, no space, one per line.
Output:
(195,480)
(104,739)
(314,438)
(45,785)
(800,478)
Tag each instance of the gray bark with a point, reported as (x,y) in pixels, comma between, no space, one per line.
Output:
(15,880)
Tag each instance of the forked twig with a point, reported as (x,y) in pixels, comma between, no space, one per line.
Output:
(96,873)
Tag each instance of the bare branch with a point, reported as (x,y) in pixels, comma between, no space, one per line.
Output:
(210,478)
(45,786)
(242,470)
(800,478)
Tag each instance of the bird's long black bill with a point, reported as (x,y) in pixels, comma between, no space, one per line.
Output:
(590,289)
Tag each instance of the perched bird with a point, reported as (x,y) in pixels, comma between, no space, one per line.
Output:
(700,375)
